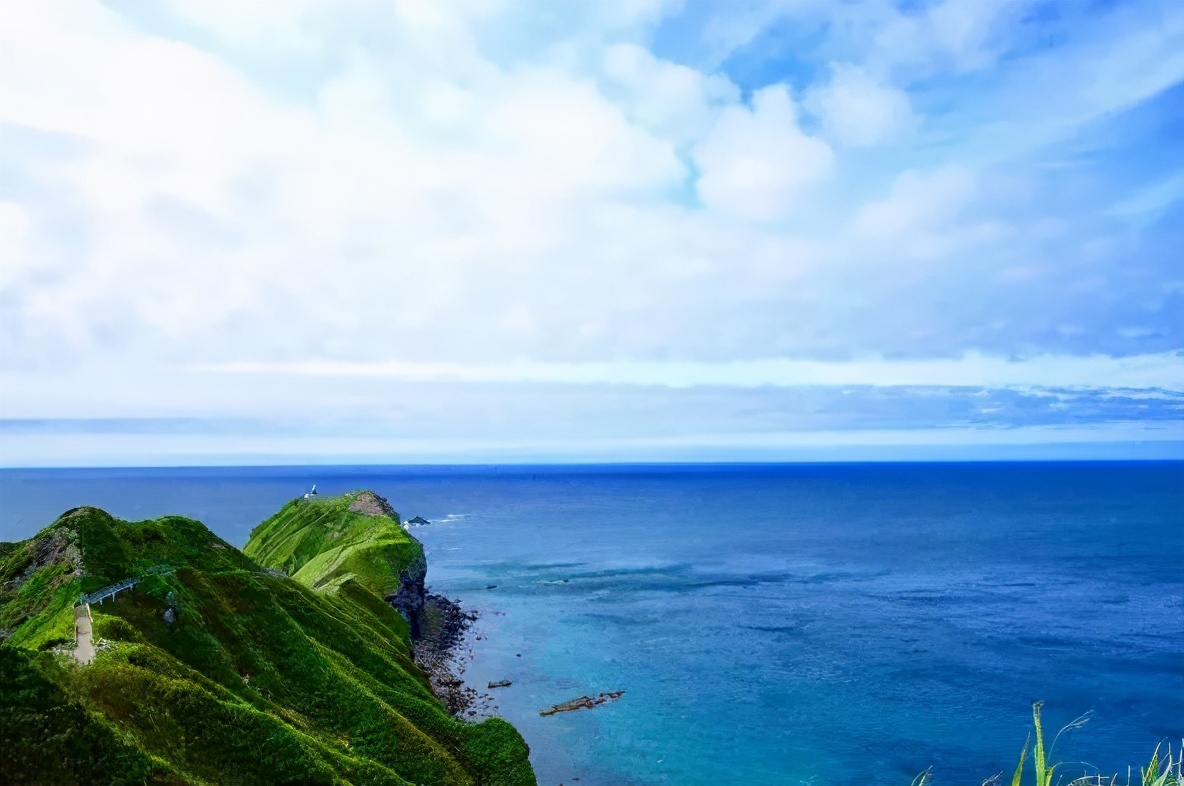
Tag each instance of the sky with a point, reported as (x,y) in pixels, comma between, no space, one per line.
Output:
(456,231)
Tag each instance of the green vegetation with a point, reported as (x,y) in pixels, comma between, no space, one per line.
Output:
(50,738)
(224,671)
(1167,771)
(325,542)
(1158,773)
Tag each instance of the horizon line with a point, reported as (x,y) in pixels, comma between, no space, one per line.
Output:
(621,463)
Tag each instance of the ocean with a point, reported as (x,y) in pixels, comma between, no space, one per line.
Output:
(769,624)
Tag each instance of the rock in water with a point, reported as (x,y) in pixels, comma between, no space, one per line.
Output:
(583,702)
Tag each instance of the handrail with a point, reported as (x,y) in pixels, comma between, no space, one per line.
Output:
(99,595)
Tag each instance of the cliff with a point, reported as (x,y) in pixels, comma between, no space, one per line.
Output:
(325,542)
(216,668)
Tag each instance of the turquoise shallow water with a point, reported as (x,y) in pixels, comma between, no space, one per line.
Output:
(788,624)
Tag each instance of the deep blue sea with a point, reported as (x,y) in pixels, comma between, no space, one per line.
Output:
(770,624)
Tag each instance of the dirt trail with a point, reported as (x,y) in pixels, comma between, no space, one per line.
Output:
(84,648)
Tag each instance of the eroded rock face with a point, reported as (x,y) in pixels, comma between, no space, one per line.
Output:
(409,598)
(56,547)
(370,504)
(59,546)
(437,651)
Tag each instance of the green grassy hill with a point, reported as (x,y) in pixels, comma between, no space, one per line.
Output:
(217,669)
(325,542)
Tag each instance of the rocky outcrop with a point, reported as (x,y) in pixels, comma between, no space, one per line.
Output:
(437,651)
(410,597)
(48,560)
(370,504)
(583,702)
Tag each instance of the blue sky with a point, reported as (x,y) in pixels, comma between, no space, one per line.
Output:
(639,230)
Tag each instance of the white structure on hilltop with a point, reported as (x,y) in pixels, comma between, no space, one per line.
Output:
(311,492)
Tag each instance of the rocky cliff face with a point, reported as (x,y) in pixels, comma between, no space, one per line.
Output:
(409,599)
(411,593)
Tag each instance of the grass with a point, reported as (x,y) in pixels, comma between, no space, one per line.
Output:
(1165,771)
(259,678)
(51,738)
(321,543)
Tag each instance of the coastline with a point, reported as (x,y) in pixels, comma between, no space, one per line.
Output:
(443,651)
(492,651)
(574,629)
(227,647)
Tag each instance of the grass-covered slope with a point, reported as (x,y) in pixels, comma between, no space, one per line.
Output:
(86,549)
(325,541)
(257,678)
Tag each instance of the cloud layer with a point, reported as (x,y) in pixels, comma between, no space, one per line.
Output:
(611,193)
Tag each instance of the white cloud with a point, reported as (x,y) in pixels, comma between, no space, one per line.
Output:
(1052,98)
(919,199)
(1121,441)
(505,211)
(566,132)
(1163,371)
(859,110)
(15,228)
(366,198)
(923,213)
(464,185)
(755,163)
(674,101)
(740,23)
(962,35)
(1150,203)
(258,23)
(1134,66)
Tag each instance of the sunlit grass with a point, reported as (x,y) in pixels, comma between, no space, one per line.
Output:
(254,677)
(1165,771)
